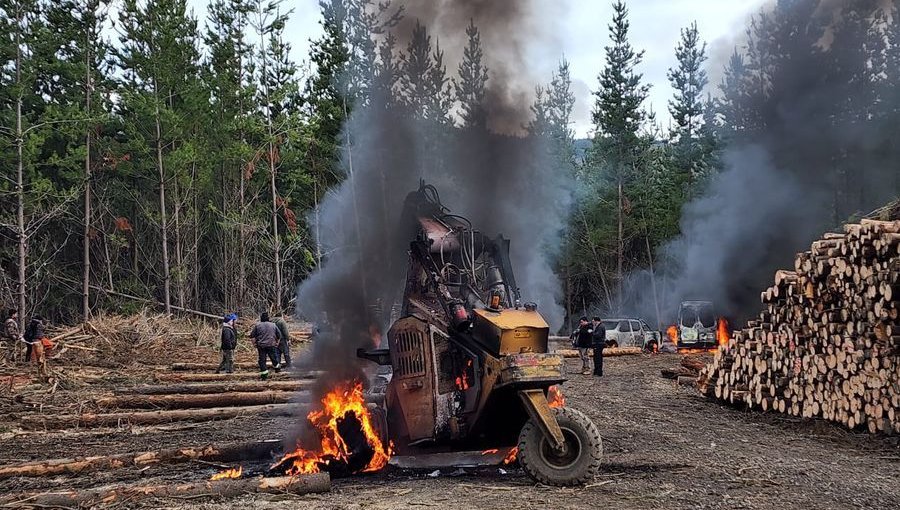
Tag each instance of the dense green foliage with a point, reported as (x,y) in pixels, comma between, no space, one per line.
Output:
(192,161)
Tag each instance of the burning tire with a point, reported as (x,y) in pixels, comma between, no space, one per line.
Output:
(579,463)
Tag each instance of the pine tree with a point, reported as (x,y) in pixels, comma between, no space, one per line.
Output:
(688,80)
(277,97)
(423,82)
(735,104)
(228,81)
(21,32)
(618,117)
(473,75)
(158,57)
(77,101)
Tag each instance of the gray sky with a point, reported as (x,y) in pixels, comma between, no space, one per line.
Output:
(582,28)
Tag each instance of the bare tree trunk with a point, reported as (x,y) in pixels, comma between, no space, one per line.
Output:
(167,300)
(196,272)
(20,175)
(109,263)
(86,263)
(276,238)
(272,169)
(653,282)
(318,228)
(620,241)
(179,254)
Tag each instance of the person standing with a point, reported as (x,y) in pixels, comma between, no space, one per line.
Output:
(598,337)
(284,347)
(10,334)
(266,338)
(33,335)
(229,344)
(583,342)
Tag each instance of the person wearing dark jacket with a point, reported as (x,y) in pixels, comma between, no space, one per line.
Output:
(284,347)
(598,338)
(266,338)
(11,335)
(33,334)
(583,341)
(229,344)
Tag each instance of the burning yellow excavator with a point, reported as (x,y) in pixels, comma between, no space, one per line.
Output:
(470,368)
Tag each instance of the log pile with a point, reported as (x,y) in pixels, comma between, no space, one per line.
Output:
(827,343)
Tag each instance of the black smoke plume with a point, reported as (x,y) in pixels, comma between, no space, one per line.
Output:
(501,182)
(812,143)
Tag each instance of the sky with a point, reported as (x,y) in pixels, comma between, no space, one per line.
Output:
(582,36)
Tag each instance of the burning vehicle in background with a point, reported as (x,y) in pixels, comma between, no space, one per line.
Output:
(631,333)
(699,327)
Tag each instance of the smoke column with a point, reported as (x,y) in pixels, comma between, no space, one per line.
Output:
(502,183)
(822,151)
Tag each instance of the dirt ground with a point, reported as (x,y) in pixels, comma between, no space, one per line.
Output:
(664,447)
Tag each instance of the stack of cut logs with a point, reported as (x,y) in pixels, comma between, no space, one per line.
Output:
(827,343)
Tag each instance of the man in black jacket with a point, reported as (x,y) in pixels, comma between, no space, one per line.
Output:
(598,338)
(229,344)
(33,335)
(583,341)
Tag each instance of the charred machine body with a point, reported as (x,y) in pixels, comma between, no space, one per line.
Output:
(470,363)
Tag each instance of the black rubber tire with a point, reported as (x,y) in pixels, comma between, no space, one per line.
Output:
(574,468)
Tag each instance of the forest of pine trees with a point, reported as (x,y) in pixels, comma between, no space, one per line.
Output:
(182,161)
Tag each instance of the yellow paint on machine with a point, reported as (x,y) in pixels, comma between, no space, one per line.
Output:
(513,331)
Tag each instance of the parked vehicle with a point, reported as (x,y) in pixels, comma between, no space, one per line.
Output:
(697,323)
(631,333)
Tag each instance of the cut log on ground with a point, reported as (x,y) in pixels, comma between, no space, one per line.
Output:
(826,343)
(607,352)
(56,422)
(215,453)
(211,388)
(201,401)
(185,377)
(209,367)
(303,484)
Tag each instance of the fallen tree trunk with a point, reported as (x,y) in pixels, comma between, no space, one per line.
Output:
(222,387)
(201,401)
(51,422)
(607,352)
(218,453)
(240,376)
(303,484)
(209,367)
(214,317)
(212,367)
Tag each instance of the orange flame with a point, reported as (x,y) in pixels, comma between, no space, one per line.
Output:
(555,397)
(228,473)
(488,452)
(723,333)
(511,456)
(462,381)
(345,399)
(673,334)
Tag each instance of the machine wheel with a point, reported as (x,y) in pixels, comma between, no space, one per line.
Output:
(578,464)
